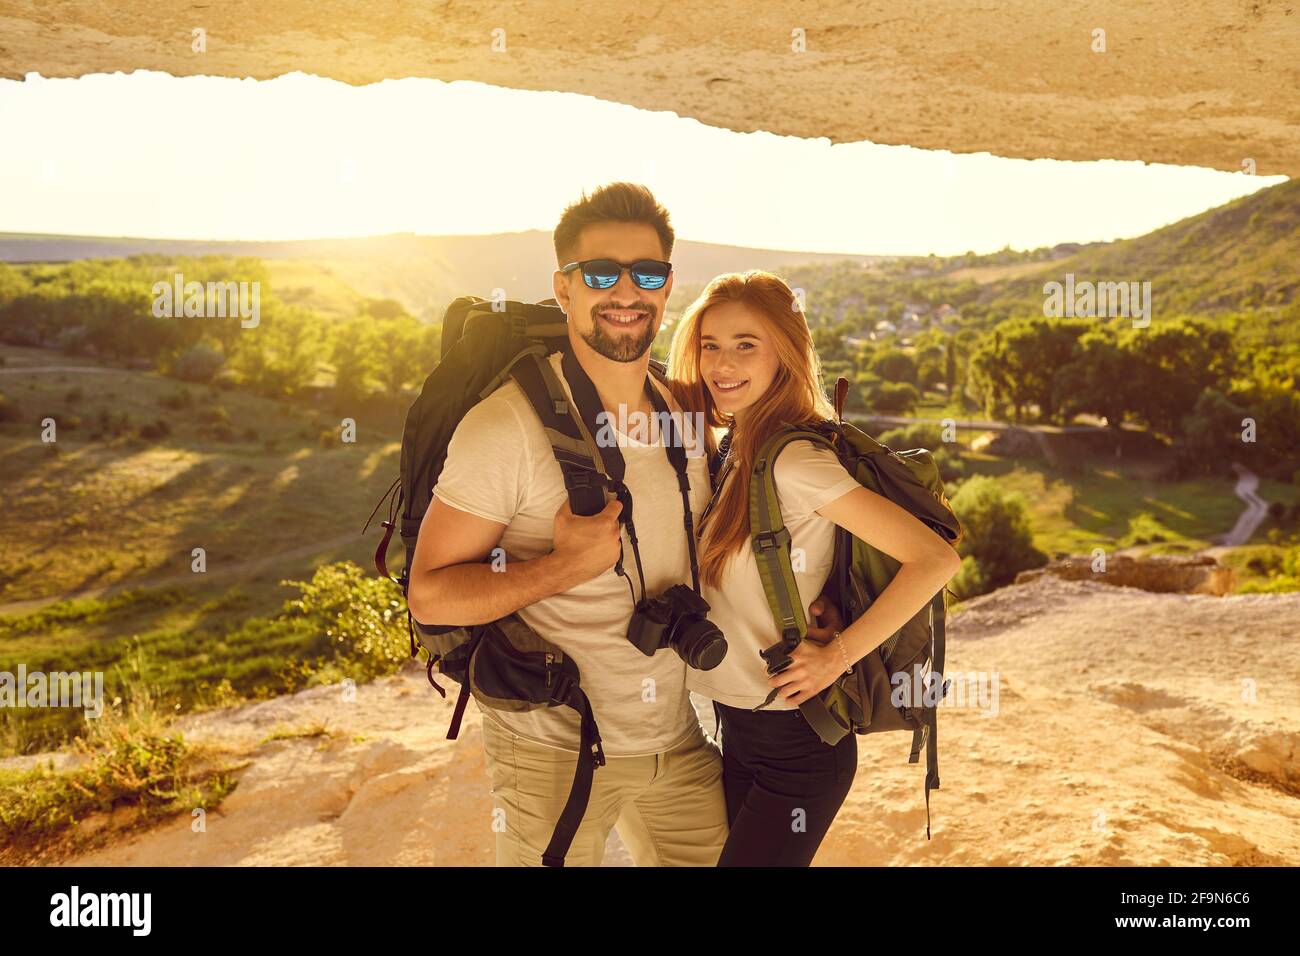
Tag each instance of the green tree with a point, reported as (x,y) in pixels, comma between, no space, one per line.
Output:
(829,345)
(1017,365)
(279,357)
(408,352)
(1102,378)
(1175,362)
(894,365)
(354,351)
(998,539)
(895,398)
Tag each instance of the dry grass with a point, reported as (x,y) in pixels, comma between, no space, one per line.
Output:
(128,771)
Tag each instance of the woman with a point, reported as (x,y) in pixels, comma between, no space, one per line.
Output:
(743,355)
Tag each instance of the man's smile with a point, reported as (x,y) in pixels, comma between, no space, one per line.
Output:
(623,318)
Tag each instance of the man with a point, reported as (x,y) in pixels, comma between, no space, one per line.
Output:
(502,488)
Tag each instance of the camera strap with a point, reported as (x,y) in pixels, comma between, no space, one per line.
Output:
(589,406)
(721,468)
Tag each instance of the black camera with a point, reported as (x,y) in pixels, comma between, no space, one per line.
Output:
(677,619)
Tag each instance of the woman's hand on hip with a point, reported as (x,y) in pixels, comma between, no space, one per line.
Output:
(814,667)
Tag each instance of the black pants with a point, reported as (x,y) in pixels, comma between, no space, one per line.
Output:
(783,785)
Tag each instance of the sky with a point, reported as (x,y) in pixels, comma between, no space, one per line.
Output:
(299,157)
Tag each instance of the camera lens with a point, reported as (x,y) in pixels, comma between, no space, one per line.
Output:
(700,643)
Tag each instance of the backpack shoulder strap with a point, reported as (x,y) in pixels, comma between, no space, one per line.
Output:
(575,450)
(770,538)
(771,543)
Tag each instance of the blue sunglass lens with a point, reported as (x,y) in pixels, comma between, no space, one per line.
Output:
(649,275)
(601,274)
(604,274)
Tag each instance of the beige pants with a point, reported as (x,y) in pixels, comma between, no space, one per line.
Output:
(669,807)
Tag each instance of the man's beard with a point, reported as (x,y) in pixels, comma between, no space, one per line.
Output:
(622,348)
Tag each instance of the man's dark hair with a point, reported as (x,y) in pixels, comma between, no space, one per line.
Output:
(613,202)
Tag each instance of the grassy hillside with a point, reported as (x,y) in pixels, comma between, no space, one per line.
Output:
(145,468)
(116,505)
(1239,256)
(1242,255)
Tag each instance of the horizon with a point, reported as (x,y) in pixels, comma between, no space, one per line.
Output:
(521,232)
(261,161)
(423,235)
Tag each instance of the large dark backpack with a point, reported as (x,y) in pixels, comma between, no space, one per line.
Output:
(503,664)
(875,695)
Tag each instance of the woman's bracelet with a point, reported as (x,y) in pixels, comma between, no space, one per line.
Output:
(848,668)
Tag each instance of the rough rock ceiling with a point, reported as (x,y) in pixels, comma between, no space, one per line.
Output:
(1200,82)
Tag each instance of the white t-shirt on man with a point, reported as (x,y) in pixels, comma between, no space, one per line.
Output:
(500,466)
(807,476)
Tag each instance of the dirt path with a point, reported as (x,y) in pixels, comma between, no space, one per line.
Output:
(1256,508)
(1128,728)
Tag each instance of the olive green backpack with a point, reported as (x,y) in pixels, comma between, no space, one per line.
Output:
(877,693)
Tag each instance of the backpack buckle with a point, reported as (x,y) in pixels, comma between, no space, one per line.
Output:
(579,479)
(766,541)
(561,688)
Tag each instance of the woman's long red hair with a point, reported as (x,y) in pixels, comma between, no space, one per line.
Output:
(795,397)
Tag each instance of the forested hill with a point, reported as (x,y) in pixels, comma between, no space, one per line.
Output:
(1237,257)
(423,273)
(1242,255)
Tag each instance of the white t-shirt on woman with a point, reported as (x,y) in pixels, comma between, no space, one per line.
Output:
(807,476)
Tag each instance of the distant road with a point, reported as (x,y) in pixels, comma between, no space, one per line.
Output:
(1256,507)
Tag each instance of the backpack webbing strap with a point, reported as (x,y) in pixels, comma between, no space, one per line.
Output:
(590,756)
(453,729)
(589,408)
(587,471)
(927,733)
(937,648)
(931,763)
(825,712)
(822,719)
(675,447)
(388,525)
(579,458)
(770,540)
(937,643)
(525,319)
(537,351)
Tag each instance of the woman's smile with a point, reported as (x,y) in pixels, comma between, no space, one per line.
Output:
(730,385)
